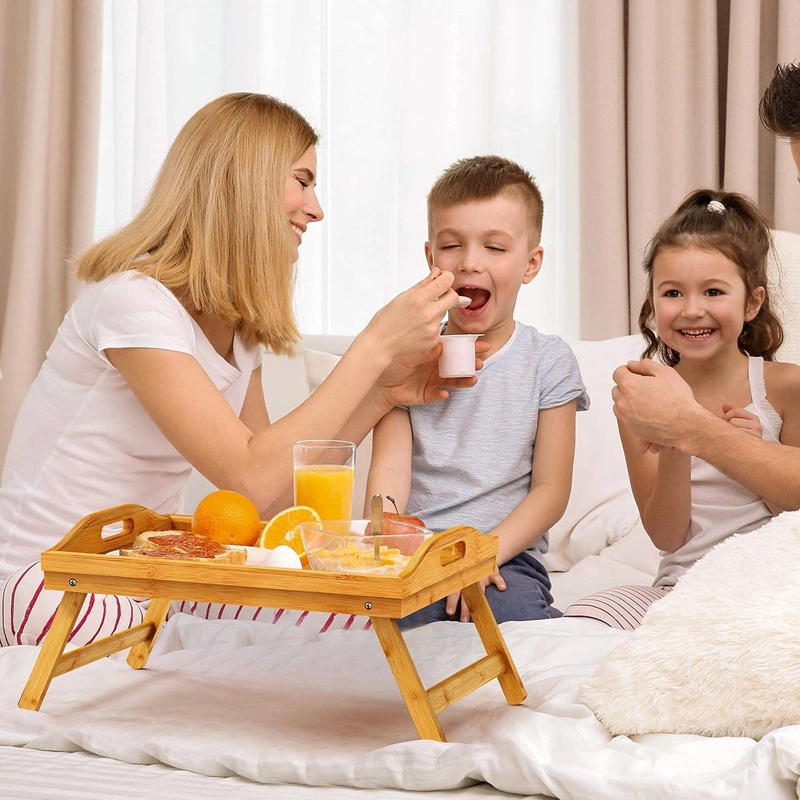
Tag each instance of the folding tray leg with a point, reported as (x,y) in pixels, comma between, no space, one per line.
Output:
(52,649)
(493,641)
(156,614)
(408,680)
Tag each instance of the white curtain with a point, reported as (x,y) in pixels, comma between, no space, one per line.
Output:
(397,89)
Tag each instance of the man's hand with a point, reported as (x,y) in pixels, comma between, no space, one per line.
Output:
(654,402)
(651,447)
(452,599)
(740,418)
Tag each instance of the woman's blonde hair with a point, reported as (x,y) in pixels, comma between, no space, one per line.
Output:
(214,228)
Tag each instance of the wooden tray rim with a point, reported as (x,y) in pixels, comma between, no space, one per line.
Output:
(423,571)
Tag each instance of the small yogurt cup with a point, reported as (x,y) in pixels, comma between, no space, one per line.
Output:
(458,355)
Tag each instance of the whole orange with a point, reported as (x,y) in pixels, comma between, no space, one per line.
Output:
(227,517)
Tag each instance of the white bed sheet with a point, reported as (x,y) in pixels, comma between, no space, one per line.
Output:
(40,775)
(277,705)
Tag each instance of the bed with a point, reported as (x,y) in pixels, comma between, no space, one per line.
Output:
(246,709)
(224,707)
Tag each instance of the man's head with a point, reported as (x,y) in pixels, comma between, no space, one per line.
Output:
(484,226)
(780,106)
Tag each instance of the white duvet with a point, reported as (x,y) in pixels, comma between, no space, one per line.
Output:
(285,705)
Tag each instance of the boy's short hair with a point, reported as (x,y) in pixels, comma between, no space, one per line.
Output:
(482,178)
(780,104)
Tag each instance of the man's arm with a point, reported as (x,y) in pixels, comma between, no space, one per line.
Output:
(657,405)
(770,470)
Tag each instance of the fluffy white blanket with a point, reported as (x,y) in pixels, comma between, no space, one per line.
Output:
(720,654)
(288,706)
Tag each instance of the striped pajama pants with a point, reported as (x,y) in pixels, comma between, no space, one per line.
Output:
(27,610)
(622,607)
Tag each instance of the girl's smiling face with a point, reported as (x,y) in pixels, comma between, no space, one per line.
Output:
(700,301)
(299,196)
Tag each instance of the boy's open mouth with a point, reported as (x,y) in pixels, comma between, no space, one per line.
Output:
(478,297)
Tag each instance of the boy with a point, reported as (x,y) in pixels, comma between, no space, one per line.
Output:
(471,459)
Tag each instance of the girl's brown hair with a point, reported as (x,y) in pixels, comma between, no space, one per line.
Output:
(214,228)
(740,232)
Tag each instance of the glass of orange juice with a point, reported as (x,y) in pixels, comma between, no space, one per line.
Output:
(324,472)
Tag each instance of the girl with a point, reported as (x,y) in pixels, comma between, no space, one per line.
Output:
(707,315)
(156,367)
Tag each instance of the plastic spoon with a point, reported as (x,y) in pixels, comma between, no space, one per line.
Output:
(376,516)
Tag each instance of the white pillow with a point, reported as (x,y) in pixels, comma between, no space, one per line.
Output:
(318,366)
(784,267)
(720,654)
(601,507)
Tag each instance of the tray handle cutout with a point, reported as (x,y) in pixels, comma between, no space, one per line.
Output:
(94,533)
(447,552)
(124,526)
(453,552)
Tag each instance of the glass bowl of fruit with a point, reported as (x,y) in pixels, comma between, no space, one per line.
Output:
(350,546)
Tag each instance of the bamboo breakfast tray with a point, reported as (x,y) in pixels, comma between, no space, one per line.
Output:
(450,561)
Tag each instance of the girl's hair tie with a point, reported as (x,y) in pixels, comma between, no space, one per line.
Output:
(716,207)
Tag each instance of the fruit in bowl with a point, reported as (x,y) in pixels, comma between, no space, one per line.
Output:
(347,546)
(397,523)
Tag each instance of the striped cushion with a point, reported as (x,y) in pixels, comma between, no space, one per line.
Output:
(319,621)
(27,610)
(620,607)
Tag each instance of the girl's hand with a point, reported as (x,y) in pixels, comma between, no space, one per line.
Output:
(740,418)
(452,599)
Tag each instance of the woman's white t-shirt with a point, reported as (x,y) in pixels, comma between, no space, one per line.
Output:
(82,441)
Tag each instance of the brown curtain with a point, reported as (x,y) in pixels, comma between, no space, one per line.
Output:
(669,93)
(50,53)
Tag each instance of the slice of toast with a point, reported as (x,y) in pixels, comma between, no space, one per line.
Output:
(184,546)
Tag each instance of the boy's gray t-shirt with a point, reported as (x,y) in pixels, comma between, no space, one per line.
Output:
(472,453)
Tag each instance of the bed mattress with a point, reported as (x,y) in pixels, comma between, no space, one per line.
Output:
(271,705)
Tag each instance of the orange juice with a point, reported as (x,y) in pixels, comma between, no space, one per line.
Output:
(327,488)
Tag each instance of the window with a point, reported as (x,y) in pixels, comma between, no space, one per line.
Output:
(398,90)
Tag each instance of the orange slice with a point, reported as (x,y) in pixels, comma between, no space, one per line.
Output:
(284,528)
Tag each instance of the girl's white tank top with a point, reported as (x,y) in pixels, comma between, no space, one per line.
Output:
(720,505)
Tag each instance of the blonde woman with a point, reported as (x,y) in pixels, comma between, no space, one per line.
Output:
(156,368)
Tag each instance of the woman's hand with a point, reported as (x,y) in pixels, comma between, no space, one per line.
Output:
(407,329)
(409,324)
(411,381)
(743,420)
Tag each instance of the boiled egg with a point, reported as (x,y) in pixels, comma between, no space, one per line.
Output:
(284,557)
